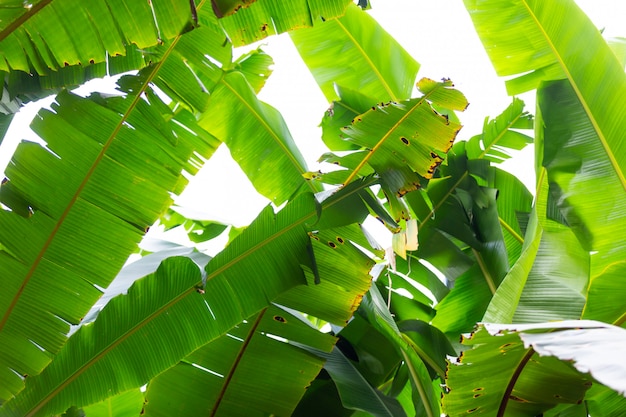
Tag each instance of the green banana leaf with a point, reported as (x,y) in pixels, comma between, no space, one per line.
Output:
(224,378)
(500,375)
(355,391)
(263,18)
(356,53)
(498,135)
(549,280)
(550,49)
(425,398)
(126,404)
(272,161)
(574,187)
(83,203)
(267,235)
(118,23)
(593,126)
(240,281)
(407,138)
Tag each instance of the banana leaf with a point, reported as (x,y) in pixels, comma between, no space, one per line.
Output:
(502,375)
(126,404)
(263,18)
(83,203)
(239,354)
(118,24)
(354,52)
(225,377)
(239,282)
(594,95)
(272,161)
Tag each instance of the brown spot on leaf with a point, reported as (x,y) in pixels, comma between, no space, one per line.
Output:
(332,245)
(280,319)
(405,141)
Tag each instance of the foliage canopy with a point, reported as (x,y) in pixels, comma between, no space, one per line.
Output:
(302,313)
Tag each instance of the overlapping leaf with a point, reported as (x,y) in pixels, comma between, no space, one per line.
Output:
(500,376)
(270,17)
(271,161)
(592,129)
(263,262)
(240,354)
(44,36)
(225,377)
(95,188)
(237,286)
(358,54)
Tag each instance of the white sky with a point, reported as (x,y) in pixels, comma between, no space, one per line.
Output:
(437,33)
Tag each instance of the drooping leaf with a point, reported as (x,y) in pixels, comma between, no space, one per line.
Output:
(271,161)
(356,393)
(426,399)
(358,54)
(589,192)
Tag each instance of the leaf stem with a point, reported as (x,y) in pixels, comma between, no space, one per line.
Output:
(513,380)
(485,271)
(236,362)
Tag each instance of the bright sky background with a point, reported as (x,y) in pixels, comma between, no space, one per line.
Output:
(437,33)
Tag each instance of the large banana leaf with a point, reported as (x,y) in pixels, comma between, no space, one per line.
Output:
(261,263)
(83,204)
(588,191)
(271,161)
(238,356)
(578,162)
(45,35)
(525,377)
(356,53)
(171,294)
(253,370)
(270,17)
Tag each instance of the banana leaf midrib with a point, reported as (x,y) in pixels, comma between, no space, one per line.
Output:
(233,368)
(511,385)
(276,139)
(581,98)
(189,291)
(82,185)
(23,18)
(386,136)
(368,60)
